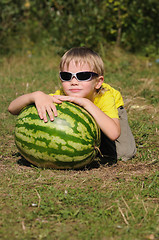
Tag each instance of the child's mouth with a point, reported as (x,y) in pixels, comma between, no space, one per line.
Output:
(75,90)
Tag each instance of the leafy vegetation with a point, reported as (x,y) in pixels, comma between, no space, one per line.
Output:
(131,24)
(115,202)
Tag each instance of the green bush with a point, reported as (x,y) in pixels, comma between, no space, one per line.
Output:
(130,24)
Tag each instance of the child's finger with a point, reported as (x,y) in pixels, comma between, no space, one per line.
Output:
(39,112)
(53,108)
(49,111)
(42,113)
(65,98)
(56,99)
(44,117)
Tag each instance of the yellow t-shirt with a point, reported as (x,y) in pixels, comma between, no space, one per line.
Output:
(108,101)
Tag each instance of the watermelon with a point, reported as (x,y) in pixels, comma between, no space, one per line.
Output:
(71,141)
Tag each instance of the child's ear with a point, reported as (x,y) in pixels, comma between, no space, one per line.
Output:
(99,82)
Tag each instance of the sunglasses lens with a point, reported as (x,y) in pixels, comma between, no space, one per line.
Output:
(83,76)
(65,76)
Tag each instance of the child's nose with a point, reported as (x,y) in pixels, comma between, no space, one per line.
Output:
(74,80)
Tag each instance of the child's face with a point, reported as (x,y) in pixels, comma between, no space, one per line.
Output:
(85,89)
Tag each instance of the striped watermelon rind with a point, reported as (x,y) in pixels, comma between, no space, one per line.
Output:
(71,141)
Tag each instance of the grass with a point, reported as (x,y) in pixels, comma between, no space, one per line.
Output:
(105,202)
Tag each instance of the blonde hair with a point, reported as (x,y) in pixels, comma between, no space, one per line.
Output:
(83,55)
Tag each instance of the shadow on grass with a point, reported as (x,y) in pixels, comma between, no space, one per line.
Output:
(22,161)
(101,161)
(97,163)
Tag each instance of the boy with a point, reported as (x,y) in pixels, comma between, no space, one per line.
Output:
(82,79)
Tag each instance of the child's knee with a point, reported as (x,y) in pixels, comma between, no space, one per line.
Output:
(127,154)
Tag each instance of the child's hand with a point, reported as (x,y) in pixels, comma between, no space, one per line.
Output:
(79,101)
(45,104)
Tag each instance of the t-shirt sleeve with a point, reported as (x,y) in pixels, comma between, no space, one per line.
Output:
(106,103)
(58,92)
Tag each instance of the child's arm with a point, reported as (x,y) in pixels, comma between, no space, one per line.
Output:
(109,126)
(42,101)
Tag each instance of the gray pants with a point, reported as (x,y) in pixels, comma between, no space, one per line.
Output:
(124,147)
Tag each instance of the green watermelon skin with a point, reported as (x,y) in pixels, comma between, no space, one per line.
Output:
(71,141)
